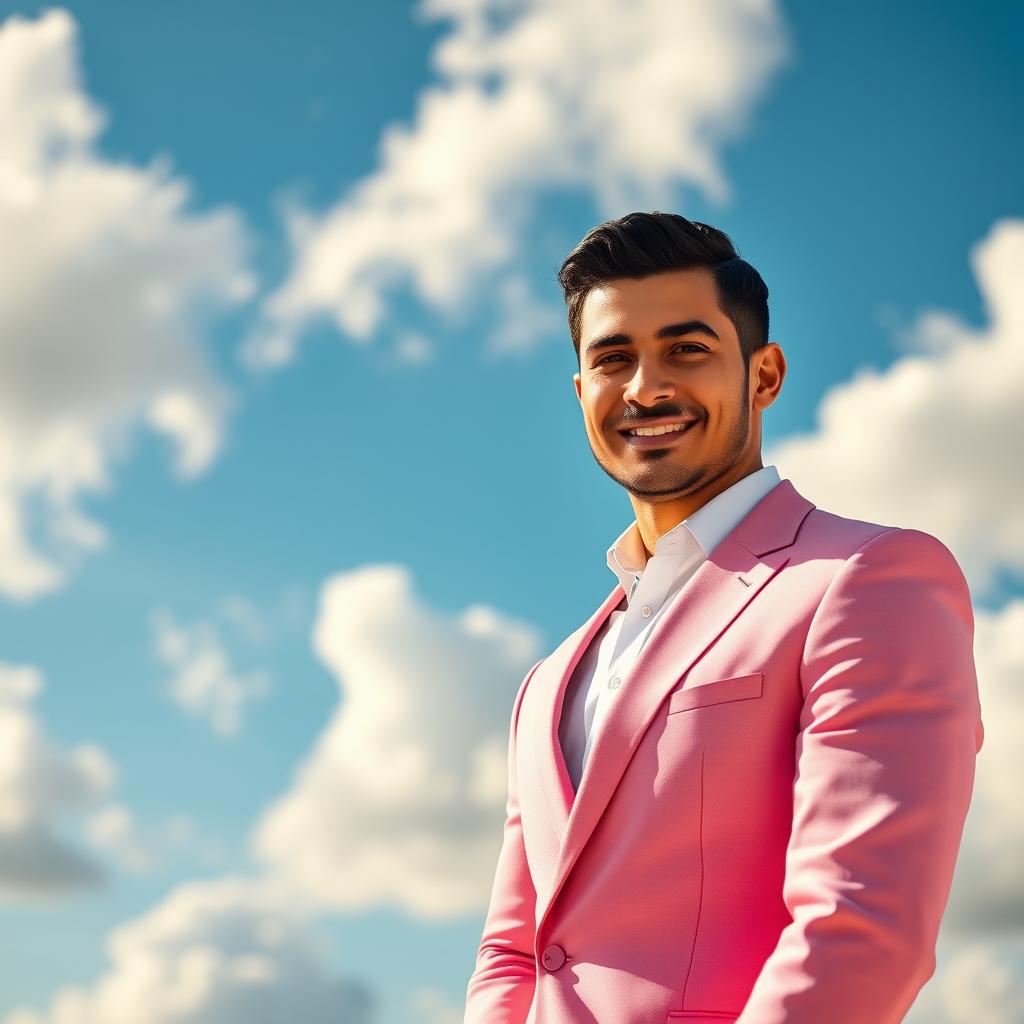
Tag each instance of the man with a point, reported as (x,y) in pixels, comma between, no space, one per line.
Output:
(737,791)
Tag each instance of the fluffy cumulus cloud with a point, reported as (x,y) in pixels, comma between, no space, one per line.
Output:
(625,102)
(979,973)
(921,442)
(226,951)
(107,284)
(982,980)
(988,897)
(42,784)
(918,444)
(401,800)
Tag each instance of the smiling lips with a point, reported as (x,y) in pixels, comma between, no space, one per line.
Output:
(667,439)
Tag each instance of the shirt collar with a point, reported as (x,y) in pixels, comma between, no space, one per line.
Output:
(697,535)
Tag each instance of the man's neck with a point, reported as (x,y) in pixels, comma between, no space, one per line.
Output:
(654,519)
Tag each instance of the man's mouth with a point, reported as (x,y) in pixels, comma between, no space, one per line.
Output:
(658,437)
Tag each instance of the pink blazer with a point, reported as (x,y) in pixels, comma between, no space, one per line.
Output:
(767,826)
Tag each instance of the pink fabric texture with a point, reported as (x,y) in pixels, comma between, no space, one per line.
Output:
(767,827)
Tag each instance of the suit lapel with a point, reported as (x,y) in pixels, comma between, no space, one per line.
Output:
(697,616)
(552,679)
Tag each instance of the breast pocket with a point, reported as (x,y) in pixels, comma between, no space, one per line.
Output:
(701,1017)
(716,691)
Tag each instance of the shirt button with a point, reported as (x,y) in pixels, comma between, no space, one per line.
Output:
(647,611)
(613,683)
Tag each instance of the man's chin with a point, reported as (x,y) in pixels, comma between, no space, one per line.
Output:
(659,485)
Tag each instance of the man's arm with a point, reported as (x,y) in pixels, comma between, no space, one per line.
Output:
(889,731)
(501,987)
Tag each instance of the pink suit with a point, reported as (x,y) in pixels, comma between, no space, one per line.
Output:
(768,823)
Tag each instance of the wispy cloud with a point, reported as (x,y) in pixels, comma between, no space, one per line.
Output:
(624,103)
(204,682)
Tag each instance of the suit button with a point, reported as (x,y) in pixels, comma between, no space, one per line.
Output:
(553,957)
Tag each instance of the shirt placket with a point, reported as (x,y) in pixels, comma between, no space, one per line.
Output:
(642,611)
(648,596)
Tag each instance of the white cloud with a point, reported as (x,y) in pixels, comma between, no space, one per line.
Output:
(114,829)
(625,103)
(204,683)
(933,440)
(226,951)
(432,1006)
(42,784)
(979,973)
(978,981)
(988,896)
(142,849)
(107,284)
(930,442)
(402,797)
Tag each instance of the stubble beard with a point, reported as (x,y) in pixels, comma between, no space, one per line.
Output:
(680,480)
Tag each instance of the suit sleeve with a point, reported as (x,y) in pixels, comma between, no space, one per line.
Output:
(890,727)
(501,988)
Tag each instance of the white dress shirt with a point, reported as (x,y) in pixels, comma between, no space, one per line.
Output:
(649,584)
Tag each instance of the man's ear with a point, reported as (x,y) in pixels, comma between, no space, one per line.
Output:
(578,381)
(769,366)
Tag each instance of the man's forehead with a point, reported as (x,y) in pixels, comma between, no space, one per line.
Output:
(678,295)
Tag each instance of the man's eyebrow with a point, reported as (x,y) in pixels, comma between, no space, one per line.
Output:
(669,331)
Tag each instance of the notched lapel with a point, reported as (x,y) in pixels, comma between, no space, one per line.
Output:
(698,615)
(548,685)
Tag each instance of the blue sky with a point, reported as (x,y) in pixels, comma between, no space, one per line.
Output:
(288,419)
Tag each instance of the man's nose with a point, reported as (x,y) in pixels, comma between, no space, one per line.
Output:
(649,384)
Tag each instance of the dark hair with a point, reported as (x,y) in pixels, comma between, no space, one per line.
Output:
(640,244)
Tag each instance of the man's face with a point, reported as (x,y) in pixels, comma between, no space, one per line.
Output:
(640,378)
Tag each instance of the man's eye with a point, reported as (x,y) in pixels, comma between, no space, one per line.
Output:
(687,344)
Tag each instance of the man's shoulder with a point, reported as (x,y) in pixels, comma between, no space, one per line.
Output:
(847,551)
(841,538)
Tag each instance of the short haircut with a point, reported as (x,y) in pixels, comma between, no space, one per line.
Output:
(640,244)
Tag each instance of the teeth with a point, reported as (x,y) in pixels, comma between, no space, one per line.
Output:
(654,431)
